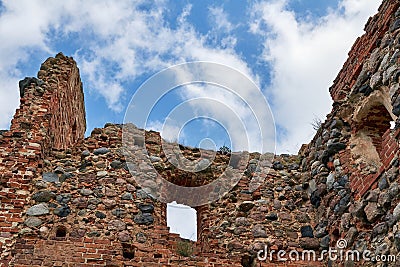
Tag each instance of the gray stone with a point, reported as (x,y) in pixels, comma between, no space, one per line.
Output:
(345,222)
(288,188)
(277,165)
(320,230)
(382,249)
(85,192)
(127,196)
(43,196)
(119,213)
(290,205)
(333,148)
(85,153)
(38,210)
(141,237)
(330,180)
(277,204)
(397,240)
(26,82)
(372,196)
(63,198)
(342,205)
(298,188)
(62,211)
(396,213)
(155,159)
(100,215)
(394,189)
(384,200)
(372,211)
(146,208)
(41,184)
(116,225)
(383,183)
(279,189)
(82,212)
(50,177)
(59,170)
(351,236)
(239,230)
(259,231)
(65,176)
(101,151)
(336,163)
(379,229)
(306,231)
(143,219)
(33,222)
(80,202)
(343,180)
(94,201)
(93,234)
(141,194)
(116,164)
(357,209)
(303,217)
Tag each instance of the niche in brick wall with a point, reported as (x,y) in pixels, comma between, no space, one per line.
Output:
(371,124)
(61,231)
(182,220)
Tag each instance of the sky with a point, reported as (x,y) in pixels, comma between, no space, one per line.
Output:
(290,49)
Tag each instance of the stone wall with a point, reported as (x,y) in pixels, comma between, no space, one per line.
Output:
(353,159)
(70,201)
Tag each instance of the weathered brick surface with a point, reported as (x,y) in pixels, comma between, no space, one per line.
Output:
(70,201)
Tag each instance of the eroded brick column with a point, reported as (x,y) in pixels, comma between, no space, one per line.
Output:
(51,115)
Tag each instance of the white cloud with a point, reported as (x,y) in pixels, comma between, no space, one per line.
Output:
(120,41)
(305,57)
(169,130)
(220,19)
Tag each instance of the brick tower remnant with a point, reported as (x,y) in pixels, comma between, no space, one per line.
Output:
(51,116)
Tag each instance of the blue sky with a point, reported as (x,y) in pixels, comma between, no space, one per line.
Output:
(291,49)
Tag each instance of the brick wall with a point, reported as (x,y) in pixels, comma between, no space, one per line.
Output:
(375,29)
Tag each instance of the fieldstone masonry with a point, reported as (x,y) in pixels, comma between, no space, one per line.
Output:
(66,200)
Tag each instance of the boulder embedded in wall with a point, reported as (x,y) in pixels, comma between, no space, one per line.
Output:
(245,206)
(259,231)
(43,196)
(38,210)
(23,84)
(50,177)
(33,222)
(372,211)
(101,151)
(143,219)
